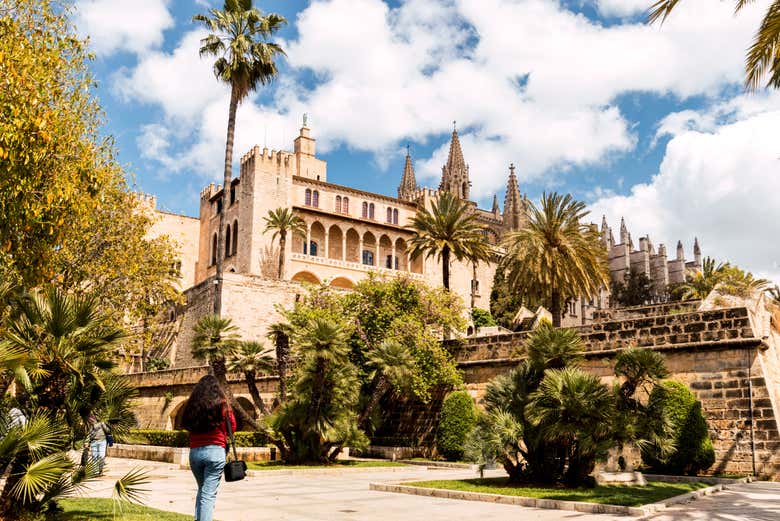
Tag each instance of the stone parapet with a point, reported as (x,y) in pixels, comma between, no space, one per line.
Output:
(666,308)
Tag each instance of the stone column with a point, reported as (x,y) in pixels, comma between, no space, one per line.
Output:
(360,250)
(307,247)
(376,258)
(327,243)
(392,260)
(343,246)
(409,263)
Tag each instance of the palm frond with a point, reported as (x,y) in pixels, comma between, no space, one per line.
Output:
(129,488)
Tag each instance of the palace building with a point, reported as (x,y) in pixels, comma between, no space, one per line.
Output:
(349,233)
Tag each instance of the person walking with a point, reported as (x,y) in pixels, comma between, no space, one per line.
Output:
(98,432)
(205,416)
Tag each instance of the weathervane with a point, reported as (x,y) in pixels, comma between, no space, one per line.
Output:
(305,118)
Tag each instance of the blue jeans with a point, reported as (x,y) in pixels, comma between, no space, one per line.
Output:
(207,464)
(98,449)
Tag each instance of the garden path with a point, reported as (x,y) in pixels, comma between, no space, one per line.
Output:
(343,495)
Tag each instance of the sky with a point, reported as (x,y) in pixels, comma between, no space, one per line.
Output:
(644,122)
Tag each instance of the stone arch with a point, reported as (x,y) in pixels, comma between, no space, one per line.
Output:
(353,246)
(400,252)
(305,277)
(316,247)
(335,240)
(386,253)
(176,415)
(368,255)
(342,282)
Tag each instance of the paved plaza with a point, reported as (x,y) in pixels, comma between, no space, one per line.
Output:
(337,495)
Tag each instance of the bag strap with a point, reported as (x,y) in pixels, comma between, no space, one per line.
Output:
(229,432)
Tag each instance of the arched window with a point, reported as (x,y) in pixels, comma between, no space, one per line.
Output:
(365,210)
(338,204)
(395,216)
(315,200)
(391,262)
(313,248)
(232,194)
(371,211)
(307,200)
(368,258)
(234,249)
(389,214)
(214,250)
(345,205)
(227,242)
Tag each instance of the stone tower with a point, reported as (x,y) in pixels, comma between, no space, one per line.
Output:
(455,174)
(408,186)
(515,216)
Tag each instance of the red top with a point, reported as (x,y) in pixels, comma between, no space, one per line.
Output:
(216,437)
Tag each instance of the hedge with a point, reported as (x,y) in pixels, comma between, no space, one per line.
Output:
(457,418)
(694,451)
(160,438)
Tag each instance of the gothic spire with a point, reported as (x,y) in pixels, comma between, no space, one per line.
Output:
(408,186)
(680,253)
(455,173)
(625,237)
(496,209)
(514,204)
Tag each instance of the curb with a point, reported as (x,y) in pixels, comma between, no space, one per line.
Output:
(439,464)
(554,504)
(698,479)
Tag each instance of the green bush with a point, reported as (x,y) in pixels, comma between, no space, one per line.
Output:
(457,419)
(482,318)
(160,438)
(694,452)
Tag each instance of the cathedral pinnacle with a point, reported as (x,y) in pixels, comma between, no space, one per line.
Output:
(515,209)
(408,186)
(455,173)
(496,209)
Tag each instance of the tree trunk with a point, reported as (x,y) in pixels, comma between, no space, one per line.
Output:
(555,308)
(227,178)
(282,246)
(379,386)
(250,376)
(282,361)
(445,268)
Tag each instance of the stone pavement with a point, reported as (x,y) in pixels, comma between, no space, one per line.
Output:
(344,496)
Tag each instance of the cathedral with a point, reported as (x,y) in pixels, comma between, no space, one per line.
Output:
(350,233)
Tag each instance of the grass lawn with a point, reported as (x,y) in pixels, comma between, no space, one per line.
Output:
(88,509)
(278,465)
(612,495)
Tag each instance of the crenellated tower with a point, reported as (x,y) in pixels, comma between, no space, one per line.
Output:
(515,207)
(455,173)
(408,187)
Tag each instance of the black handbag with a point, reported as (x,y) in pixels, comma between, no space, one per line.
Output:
(234,470)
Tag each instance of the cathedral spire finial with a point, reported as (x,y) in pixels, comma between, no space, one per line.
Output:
(496,209)
(408,186)
(455,173)
(454,126)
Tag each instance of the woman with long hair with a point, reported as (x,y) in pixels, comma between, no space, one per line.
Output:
(205,417)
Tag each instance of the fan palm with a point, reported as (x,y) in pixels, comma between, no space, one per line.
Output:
(392,364)
(727,277)
(238,38)
(281,221)
(449,229)
(249,359)
(763,56)
(575,408)
(280,333)
(553,348)
(556,257)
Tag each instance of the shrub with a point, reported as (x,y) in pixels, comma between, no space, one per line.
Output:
(482,318)
(457,419)
(160,438)
(694,452)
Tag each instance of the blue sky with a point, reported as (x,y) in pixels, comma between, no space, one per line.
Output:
(644,122)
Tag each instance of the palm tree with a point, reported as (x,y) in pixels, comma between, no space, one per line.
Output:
(727,277)
(215,340)
(556,257)
(449,229)
(763,57)
(553,348)
(392,364)
(251,358)
(281,221)
(245,59)
(280,333)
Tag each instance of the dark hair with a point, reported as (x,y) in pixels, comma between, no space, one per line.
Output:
(205,408)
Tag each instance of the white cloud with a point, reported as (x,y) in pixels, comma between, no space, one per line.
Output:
(623,8)
(719,183)
(535,85)
(123,25)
